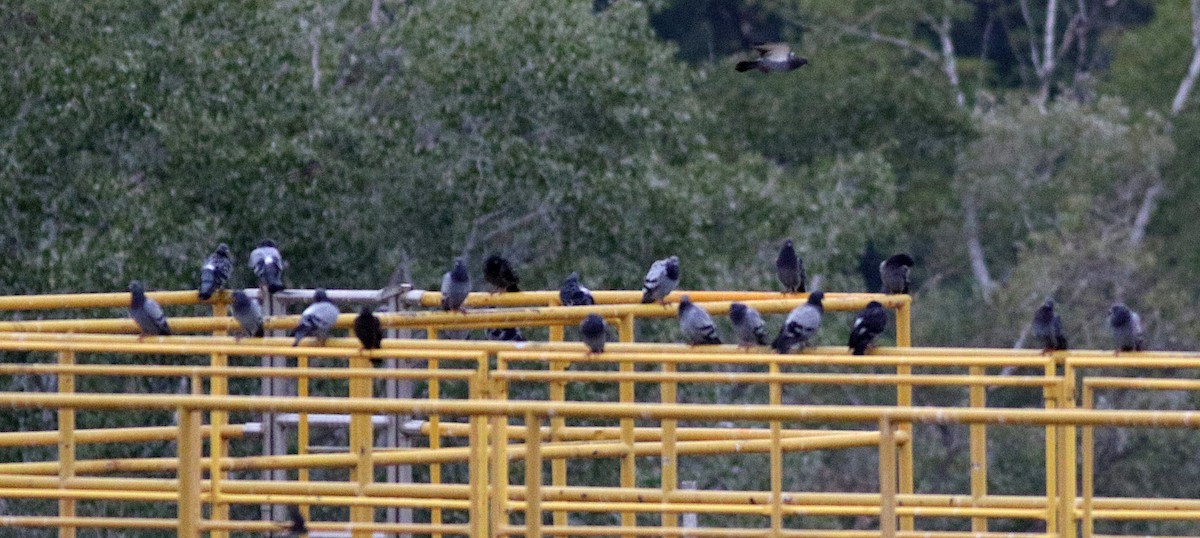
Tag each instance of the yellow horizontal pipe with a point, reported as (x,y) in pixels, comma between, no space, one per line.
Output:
(711,532)
(110,435)
(601,433)
(641,411)
(94,300)
(244,526)
(1142,383)
(784,378)
(765,510)
(124,370)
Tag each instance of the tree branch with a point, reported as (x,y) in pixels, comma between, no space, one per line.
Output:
(905,44)
(975,246)
(1145,211)
(949,63)
(315,42)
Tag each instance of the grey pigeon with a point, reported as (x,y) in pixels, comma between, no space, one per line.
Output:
(748,324)
(894,273)
(317,319)
(661,280)
(594,332)
(248,314)
(456,285)
(696,324)
(801,325)
(1047,328)
(773,58)
(267,263)
(368,329)
(146,312)
(790,269)
(572,293)
(869,324)
(215,271)
(498,272)
(1126,328)
(507,334)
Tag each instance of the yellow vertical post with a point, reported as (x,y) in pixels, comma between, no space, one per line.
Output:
(978,440)
(1089,466)
(303,434)
(362,442)
(218,385)
(66,442)
(477,472)
(533,475)
(670,457)
(628,460)
(499,451)
(1051,397)
(558,393)
(904,399)
(887,478)
(776,398)
(435,432)
(189,441)
(1070,456)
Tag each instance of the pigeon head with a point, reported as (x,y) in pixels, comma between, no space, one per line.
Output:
(493,263)
(737,312)
(815,299)
(320,296)
(1120,315)
(138,292)
(366,311)
(900,259)
(459,273)
(223,249)
(240,299)
(685,303)
(788,244)
(673,268)
(1049,304)
(872,304)
(572,278)
(267,243)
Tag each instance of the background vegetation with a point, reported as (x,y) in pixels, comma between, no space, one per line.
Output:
(1019,149)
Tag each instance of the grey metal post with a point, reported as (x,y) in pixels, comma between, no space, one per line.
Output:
(273,431)
(394,433)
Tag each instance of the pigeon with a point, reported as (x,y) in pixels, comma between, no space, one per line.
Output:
(367,329)
(295,525)
(593,331)
(773,58)
(696,324)
(1047,327)
(248,314)
(456,285)
(499,273)
(146,312)
(268,266)
(661,280)
(869,324)
(215,271)
(790,269)
(801,325)
(748,324)
(508,334)
(317,319)
(571,293)
(894,273)
(1126,328)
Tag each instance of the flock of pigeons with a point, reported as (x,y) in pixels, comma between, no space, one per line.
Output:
(798,330)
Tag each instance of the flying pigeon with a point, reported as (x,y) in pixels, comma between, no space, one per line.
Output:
(773,58)
(268,265)
(367,329)
(894,273)
(1126,328)
(146,312)
(790,269)
(499,273)
(1047,328)
(456,285)
(317,319)
(593,332)
(801,325)
(748,324)
(869,324)
(248,314)
(215,271)
(696,324)
(507,334)
(661,280)
(572,293)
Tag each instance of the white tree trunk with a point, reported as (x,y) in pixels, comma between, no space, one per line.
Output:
(1185,86)
(975,246)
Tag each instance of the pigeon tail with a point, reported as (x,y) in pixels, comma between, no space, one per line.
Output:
(512,287)
(208,283)
(301,332)
(647,297)
(273,278)
(259,333)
